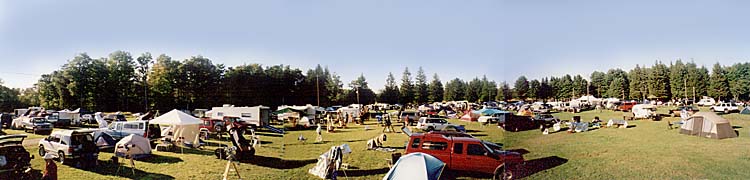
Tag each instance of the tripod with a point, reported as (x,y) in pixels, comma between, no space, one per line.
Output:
(132,165)
(234,166)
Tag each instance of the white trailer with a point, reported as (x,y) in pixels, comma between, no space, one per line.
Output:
(256,116)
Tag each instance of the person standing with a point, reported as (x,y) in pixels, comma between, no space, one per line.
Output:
(50,168)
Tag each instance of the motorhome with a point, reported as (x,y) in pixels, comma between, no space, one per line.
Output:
(256,116)
(706,101)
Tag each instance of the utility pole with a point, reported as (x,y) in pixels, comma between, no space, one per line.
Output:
(317,88)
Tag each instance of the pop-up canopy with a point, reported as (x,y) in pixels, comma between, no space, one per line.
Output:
(184,126)
(175,117)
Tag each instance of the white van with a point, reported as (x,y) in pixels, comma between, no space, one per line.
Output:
(706,101)
(119,129)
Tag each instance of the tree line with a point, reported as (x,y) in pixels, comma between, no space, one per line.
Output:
(122,82)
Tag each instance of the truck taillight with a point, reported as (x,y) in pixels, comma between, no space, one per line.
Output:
(70,149)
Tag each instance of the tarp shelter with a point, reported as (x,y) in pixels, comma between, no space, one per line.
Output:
(470,116)
(745,110)
(99,117)
(709,125)
(489,112)
(134,146)
(416,166)
(183,125)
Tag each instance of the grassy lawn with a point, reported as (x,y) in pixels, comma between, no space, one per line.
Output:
(646,151)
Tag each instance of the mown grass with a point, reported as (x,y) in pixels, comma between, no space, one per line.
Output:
(646,151)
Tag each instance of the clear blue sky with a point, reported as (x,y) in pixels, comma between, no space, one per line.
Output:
(465,39)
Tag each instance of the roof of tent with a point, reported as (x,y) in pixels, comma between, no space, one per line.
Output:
(175,117)
(416,166)
(712,116)
(141,145)
(488,112)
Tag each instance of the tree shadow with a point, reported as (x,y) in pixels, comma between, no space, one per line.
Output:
(110,168)
(364,172)
(537,165)
(278,163)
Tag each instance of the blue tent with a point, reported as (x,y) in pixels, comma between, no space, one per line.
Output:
(416,166)
(489,112)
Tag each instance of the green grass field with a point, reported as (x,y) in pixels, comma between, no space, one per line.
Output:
(646,151)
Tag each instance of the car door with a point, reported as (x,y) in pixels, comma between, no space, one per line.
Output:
(476,152)
(46,143)
(459,159)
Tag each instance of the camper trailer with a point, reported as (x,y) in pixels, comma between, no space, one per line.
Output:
(256,116)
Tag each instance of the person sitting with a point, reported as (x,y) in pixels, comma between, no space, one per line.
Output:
(596,122)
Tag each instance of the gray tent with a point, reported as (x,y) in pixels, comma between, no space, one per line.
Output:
(709,125)
(745,110)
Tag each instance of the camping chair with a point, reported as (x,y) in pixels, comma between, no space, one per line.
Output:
(669,125)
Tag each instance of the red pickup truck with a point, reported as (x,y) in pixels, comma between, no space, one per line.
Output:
(466,154)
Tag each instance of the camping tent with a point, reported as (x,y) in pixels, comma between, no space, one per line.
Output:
(708,124)
(745,110)
(470,116)
(183,125)
(133,145)
(416,166)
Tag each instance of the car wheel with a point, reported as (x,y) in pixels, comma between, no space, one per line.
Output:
(726,111)
(430,129)
(61,157)
(502,173)
(42,151)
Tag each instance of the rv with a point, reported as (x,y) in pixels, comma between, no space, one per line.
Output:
(256,116)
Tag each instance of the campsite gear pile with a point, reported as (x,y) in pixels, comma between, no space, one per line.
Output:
(330,162)
(416,166)
(709,125)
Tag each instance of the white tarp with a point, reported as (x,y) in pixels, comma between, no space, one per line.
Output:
(133,145)
(100,119)
(613,122)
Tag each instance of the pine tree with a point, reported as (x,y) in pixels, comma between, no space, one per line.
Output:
(436,89)
(719,87)
(421,92)
(407,88)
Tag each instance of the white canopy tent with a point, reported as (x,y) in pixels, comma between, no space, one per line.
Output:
(183,125)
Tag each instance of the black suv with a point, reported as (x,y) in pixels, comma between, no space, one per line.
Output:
(15,161)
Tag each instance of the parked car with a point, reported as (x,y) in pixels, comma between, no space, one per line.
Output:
(54,119)
(75,145)
(115,117)
(494,118)
(626,106)
(15,161)
(706,101)
(464,153)
(119,129)
(437,124)
(36,125)
(725,107)
(212,125)
(410,117)
(5,120)
(545,120)
(690,109)
(518,123)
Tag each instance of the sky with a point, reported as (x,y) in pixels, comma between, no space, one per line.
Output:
(454,39)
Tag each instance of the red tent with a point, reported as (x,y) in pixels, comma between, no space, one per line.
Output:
(469,116)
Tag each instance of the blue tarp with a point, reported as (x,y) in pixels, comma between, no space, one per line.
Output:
(489,112)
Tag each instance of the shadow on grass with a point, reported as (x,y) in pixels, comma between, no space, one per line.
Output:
(472,131)
(110,168)
(537,165)
(736,127)
(394,147)
(631,126)
(362,172)
(159,159)
(272,134)
(478,135)
(278,163)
